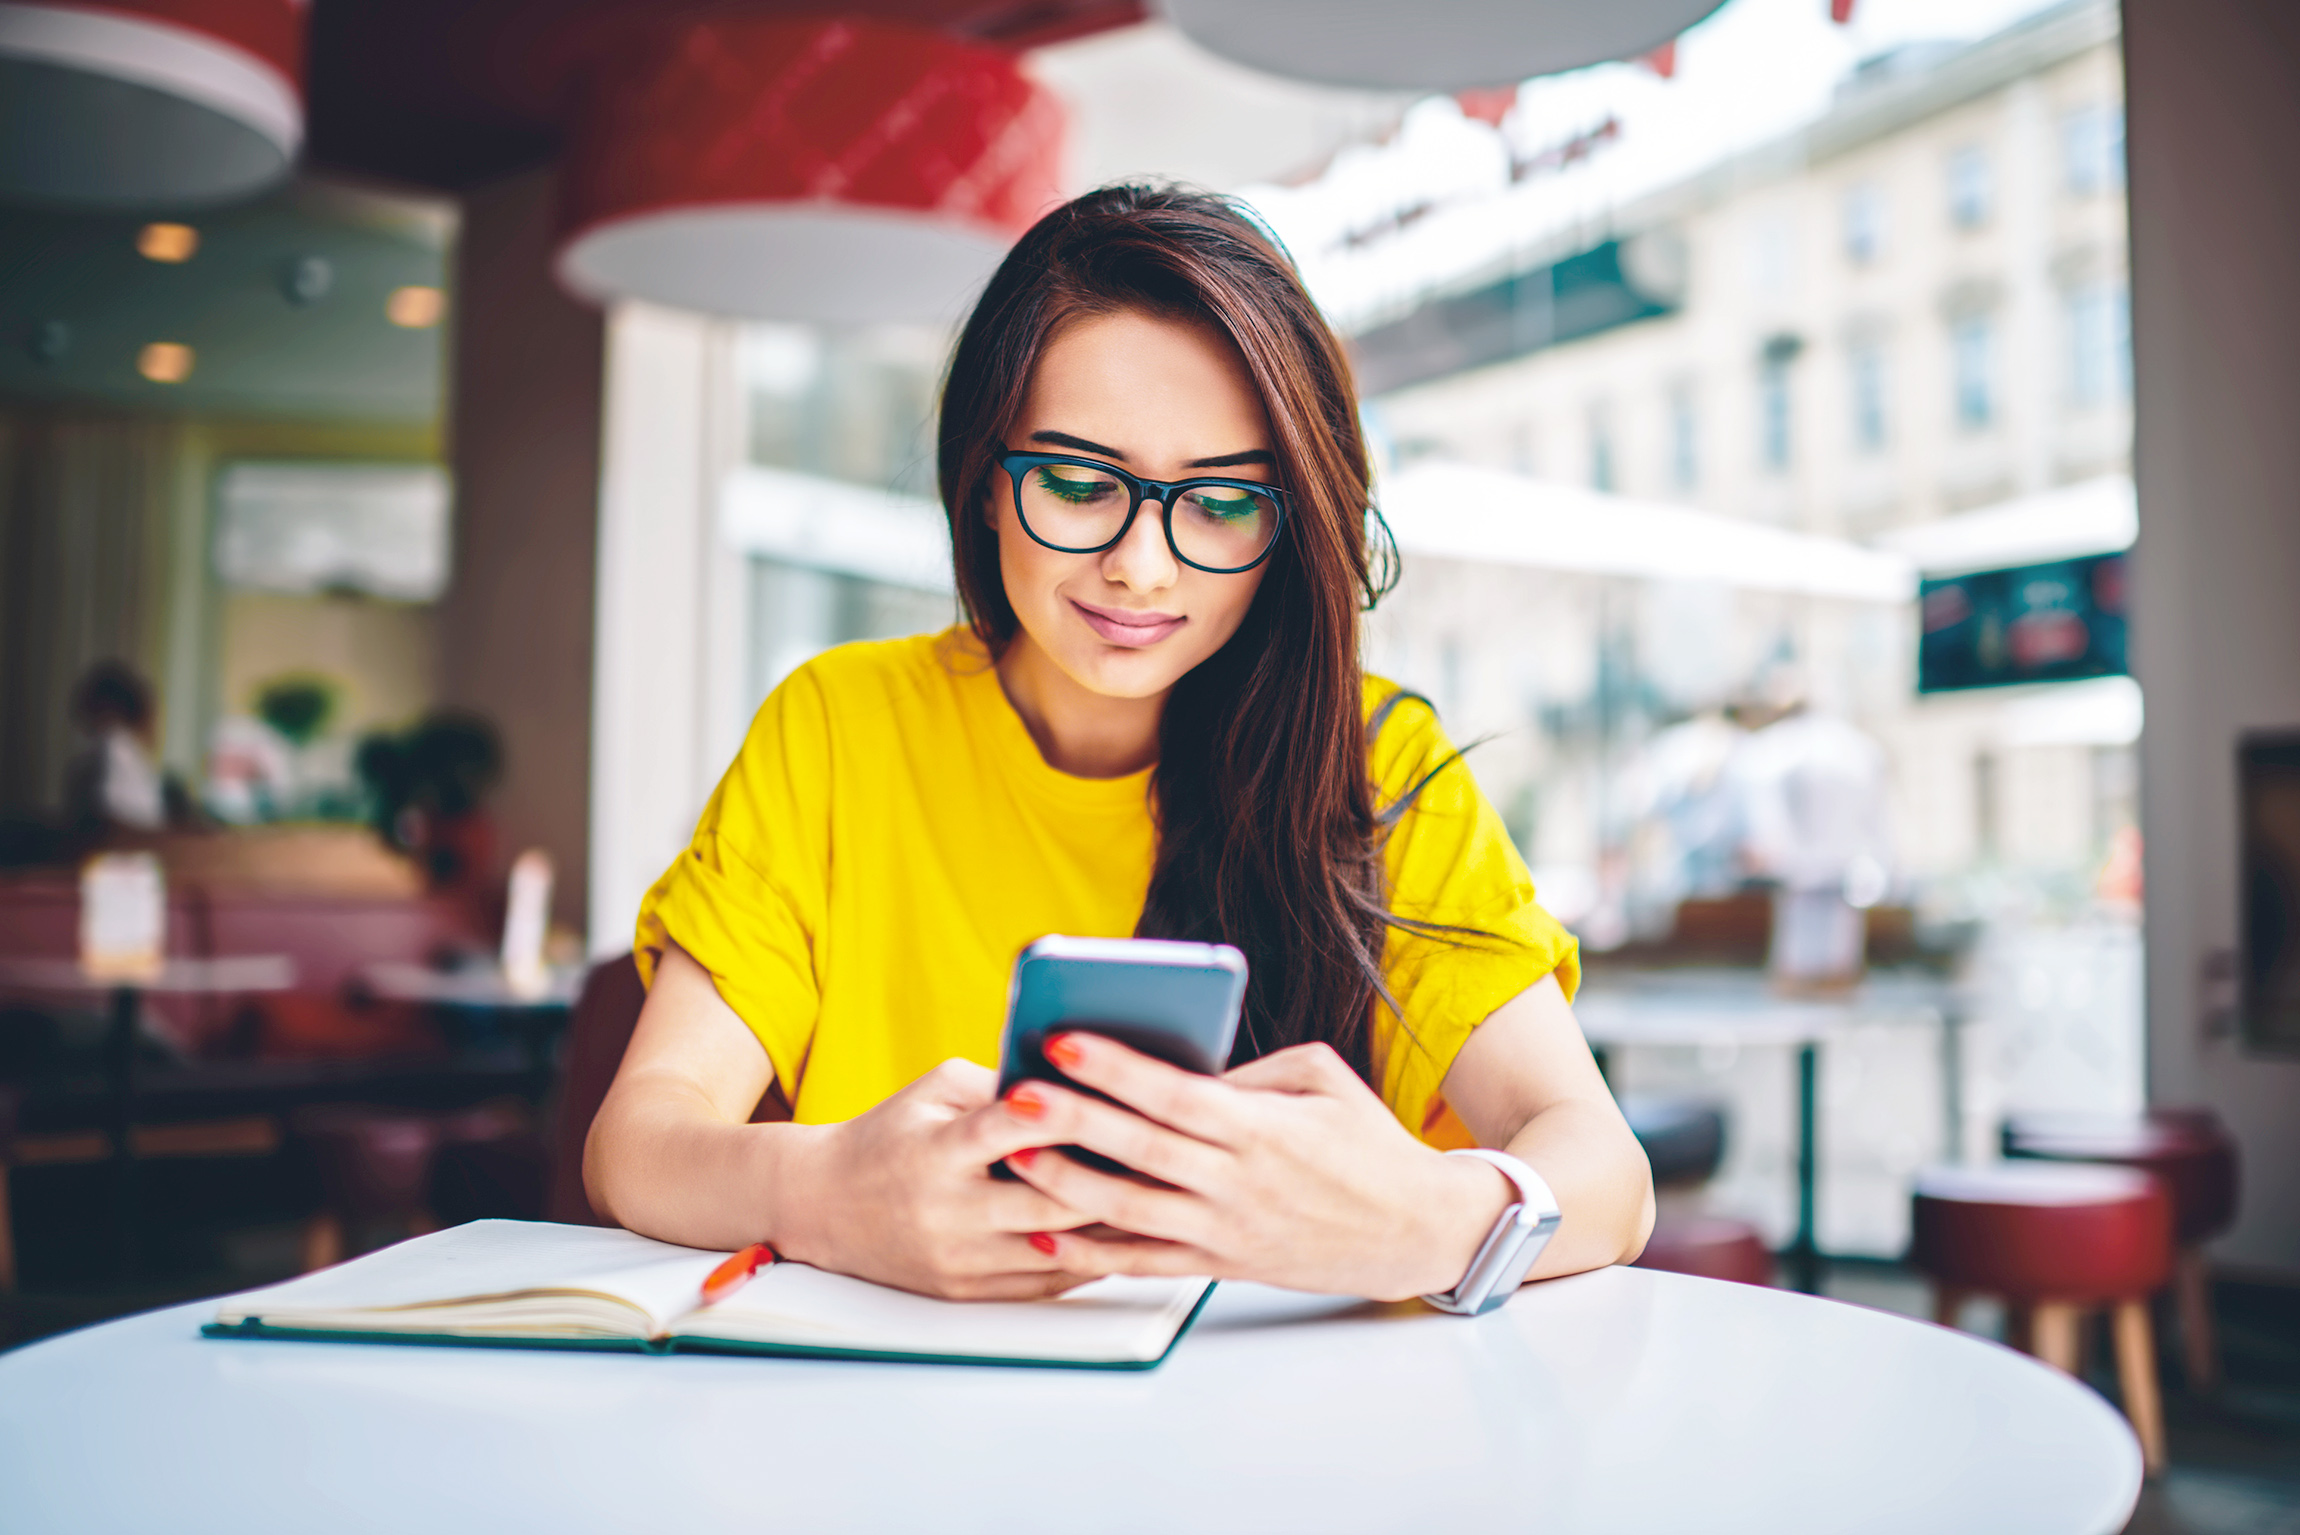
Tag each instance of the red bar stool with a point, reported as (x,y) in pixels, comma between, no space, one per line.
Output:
(1684,1141)
(2055,1242)
(2195,1158)
(1713,1246)
(373,1166)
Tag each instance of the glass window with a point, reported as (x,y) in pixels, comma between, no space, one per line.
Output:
(855,405)
(312,526)
(1773,411)
(1971,187)
(2092,149)
(1601,463)
(1525,447)
(1772,255)
(1865,365)
(2099,320)
(1684,439)
(1972,364)
(1864,224)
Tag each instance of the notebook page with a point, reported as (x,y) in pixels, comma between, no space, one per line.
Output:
(1117,1321)
(488,1259)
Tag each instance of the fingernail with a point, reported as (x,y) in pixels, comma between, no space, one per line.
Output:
(1043,1242)
(1024,1157)
(1022,1103)
(1063,1051)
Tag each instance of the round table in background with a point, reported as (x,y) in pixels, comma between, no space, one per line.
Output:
(1621,1401)
(238,975)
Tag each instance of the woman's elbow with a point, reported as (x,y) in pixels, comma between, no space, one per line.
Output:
(1635,1201)
(599,1166)
(1641,1229)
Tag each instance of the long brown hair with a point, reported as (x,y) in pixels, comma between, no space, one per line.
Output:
(1268,832)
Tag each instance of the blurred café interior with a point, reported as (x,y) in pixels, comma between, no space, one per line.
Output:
(428,430)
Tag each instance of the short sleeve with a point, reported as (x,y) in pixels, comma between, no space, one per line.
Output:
(1451,864)
(747,897)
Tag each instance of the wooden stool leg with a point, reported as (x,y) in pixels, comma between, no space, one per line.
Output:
(2052,1329)
(2192,1297)
(7,1238)
(1948,1303)
(2136,1378)
(322,1241)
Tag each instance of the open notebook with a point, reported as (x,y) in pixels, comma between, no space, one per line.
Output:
(529,1284)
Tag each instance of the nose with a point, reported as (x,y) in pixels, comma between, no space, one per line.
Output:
(1141,561)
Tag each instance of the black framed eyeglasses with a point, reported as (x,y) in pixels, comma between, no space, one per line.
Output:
(1084,506)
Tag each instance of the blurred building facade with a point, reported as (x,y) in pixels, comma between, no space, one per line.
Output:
(1914,308)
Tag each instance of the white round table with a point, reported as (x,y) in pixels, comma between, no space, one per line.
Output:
(1619,1401)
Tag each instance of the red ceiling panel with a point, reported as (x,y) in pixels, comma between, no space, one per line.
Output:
(452,93)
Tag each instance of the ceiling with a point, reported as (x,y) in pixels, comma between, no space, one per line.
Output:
(448,94)
(438,96)
(257,351)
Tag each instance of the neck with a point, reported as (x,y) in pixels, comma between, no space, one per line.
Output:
(1079,732)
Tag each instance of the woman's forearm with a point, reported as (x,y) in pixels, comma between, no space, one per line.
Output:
(672,1153)
(664,1162)
(1602,1182)
(1524,1082)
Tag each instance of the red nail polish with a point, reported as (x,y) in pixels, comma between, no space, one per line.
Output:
(1043,1242)
(1022,1103)
(1024,1157)
(1063,1051)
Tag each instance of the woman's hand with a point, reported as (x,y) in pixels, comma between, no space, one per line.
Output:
(1289,1171)
(903,1195)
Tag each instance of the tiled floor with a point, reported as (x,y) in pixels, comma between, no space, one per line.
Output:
(2235,1456)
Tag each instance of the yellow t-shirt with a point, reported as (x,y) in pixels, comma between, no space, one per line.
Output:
(890,838)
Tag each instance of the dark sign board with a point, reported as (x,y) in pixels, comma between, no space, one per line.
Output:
(2036,623)
(2268,792)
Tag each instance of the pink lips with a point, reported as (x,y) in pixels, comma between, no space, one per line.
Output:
(1118,626)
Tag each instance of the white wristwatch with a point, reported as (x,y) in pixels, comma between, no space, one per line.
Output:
(1511,1247)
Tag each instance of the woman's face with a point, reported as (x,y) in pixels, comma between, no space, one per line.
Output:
(1163,399)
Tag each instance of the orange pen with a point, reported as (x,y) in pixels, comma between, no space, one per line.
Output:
(736,1272)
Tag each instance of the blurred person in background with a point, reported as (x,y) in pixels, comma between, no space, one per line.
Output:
(1685,804)
(1813,798)
(113,782)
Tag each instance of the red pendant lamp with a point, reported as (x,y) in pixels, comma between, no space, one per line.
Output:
(149,103)
(832,171)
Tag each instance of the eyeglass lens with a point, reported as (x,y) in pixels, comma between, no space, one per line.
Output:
(1074,506)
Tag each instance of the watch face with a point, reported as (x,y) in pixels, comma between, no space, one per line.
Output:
(1500,1266)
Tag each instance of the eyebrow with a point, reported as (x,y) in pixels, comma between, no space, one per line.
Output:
(1222,461)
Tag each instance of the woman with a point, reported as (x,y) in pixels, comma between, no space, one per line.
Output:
(1154,723)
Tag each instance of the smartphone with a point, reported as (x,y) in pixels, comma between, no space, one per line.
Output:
(1174,1002)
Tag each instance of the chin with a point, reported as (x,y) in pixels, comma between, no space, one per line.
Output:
(1116,672)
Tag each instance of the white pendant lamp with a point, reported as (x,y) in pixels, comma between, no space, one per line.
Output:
(1447,45)
(814,170)
(149,103)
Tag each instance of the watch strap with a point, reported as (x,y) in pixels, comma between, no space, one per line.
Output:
(1532,1189)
